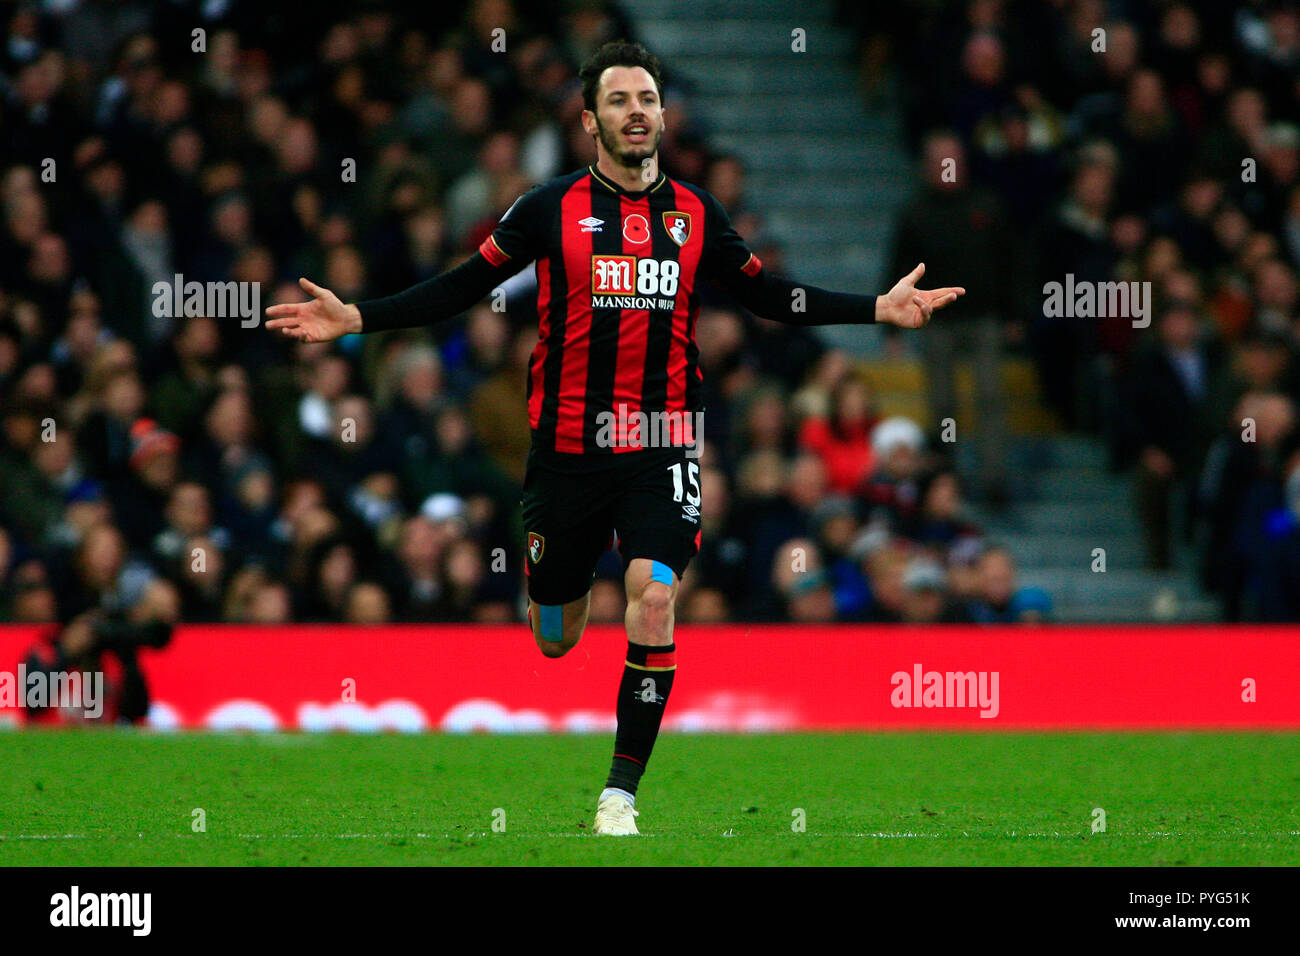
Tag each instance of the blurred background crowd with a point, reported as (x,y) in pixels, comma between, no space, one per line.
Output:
(192,468)
(1164,151)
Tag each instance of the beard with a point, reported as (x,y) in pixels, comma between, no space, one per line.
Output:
(634,156)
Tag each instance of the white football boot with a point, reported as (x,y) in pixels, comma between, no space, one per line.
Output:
(615,816)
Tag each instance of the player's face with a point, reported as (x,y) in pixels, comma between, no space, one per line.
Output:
(629,117)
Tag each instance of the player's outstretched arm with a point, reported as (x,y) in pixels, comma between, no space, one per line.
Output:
(796,303)
(909,307)
(325,317)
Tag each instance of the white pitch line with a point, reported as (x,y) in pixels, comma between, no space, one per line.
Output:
(475,834)
(45,836)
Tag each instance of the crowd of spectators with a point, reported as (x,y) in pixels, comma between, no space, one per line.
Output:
(1141,143)
(193,464)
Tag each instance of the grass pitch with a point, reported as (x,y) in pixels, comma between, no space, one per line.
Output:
(115,798)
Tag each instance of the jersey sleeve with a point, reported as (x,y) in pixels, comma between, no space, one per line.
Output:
(729,261)
(516,241)
(726,255)
(520,236)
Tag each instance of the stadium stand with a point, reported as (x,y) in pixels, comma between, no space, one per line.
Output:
(200,464)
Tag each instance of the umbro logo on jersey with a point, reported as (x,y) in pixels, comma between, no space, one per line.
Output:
(591,224)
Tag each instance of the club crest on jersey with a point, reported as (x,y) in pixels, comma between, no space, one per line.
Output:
(678,225)
(536,545)
(636,229)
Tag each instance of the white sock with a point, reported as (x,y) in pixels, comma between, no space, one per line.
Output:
(622,793)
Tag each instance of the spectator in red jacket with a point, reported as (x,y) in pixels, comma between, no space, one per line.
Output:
(842,440)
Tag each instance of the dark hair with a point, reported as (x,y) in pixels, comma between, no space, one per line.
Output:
(617,53)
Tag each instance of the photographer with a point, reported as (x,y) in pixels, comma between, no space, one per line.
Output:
(112,614)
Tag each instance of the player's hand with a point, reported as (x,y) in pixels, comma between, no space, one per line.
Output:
(321,319)
(909,307)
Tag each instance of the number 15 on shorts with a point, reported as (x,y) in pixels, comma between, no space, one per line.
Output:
(693,476)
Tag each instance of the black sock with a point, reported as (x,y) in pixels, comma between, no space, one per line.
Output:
(642,697)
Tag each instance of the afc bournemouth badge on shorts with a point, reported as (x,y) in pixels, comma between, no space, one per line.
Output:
(678,225)
(536,545)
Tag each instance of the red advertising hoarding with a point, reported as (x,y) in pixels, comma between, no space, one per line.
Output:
(730,678)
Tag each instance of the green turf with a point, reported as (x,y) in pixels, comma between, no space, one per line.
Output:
(127,798)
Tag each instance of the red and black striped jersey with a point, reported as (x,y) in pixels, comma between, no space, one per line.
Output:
(618,276)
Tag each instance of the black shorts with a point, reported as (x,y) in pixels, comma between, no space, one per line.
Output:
(574,505)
